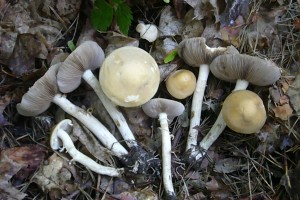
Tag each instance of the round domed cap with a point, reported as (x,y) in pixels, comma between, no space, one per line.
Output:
(244,112)
(129,76)
(181,83)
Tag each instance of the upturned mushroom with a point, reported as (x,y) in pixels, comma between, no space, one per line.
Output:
(148,32)
(243,69)
(129,76)
(244,112)
(181,83)
(79,64)
(196,53)
(165,110)
(60,140)
(45,90)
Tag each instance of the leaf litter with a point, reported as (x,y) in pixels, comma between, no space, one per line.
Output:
(260,166)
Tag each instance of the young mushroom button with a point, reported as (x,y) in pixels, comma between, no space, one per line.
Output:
(165,110)
(60,140)
(129,76)
(148,32)
(181,83)
(244,112)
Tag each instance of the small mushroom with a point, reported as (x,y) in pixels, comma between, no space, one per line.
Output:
(244,112)
(243,69)
(45,90)
(85,58)
(60,140)
(164,110)
(148,32)
(129,76)
(181,83)
(196,53)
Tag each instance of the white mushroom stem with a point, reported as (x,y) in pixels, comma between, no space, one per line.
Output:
(83,159)
(98,129)
(197,107)
(217,128)
(166,154)
(111,108)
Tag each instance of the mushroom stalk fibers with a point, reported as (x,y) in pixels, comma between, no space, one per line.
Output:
(83,159)
(99,130)
(166,154)
(217,128)
(111,108)
(197,107)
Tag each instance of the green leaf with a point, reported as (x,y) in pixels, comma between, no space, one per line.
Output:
(171,56)
(123,17)
(167,1)
(102,15)
(71,45)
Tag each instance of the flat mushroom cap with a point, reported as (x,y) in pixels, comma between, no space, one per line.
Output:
(244,112)
(181,83)
(230,67)
(39,96)
(195,52)
(129,76)
(65,125)
(88,55)
(159,105)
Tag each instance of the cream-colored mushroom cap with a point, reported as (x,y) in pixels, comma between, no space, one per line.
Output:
(181,83)
(129,76)
(244,112)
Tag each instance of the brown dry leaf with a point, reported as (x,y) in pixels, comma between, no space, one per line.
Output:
(145,194)
(19,162)
(227,165)
(283,112)
(26,50)
(294,94)
(57,174)
(4,101)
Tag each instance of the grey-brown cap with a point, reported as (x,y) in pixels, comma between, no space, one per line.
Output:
(39,96)
(88,55)
(160,105)
(195,52)
(230,67)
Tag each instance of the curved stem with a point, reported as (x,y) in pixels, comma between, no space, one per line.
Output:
(111,108)
(83,159)
(197,107)
(218,126)
(166,155)
(99,130)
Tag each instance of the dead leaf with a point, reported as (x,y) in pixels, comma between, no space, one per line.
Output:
(116,40)
(283,112)
(145,194)
(192,27)
(169,24)
(4,101)
(19,162)
(294,93)
(227,165)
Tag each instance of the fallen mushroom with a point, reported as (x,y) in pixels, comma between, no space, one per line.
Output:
(244,112)
(165,110)
(181,83)
(45,90)
(148,32)
(129,76)
(79,64)
(60,140)
(243,69)
(196,53)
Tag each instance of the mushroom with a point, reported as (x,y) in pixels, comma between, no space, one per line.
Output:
(79,64)
(243,69)
(181,83)
(165,110)
(129,76)
(148,32)
(45,90)
(196,53)
(60,140)
(244,112)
